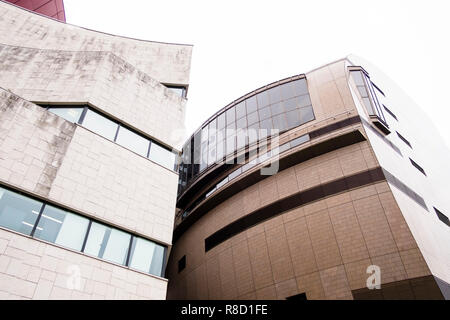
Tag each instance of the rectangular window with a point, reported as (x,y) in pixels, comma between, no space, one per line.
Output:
(71,114)
(306,114)
(101,125)
(62,227)
(304,101)
(17,212)
(368,95)
(179,90)
(263,99)
(442,217)
(293,119)
(162,156)
(417,166)
(231,116)
(108,243)
(300,87)
(133,141)
(147,256)
(240,110)
(275,94)
(300,140)
(23,214)
(251,104)
(181,264)
(252,118)
(404,139)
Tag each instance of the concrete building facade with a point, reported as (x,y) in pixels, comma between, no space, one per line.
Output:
(349,189)
(88,174)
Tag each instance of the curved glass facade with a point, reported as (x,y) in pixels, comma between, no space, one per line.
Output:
(274,109)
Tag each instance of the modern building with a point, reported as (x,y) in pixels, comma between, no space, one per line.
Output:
(344,188)
(88,177)
(50,8)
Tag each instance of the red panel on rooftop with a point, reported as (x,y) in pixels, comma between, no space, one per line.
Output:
(50,8)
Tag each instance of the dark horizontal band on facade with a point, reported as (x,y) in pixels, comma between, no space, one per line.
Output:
(194,189)
(288,161)
(291,202)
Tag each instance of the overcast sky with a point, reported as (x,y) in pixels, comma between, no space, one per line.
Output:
(242,45)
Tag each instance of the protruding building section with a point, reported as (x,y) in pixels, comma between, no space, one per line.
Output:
(50,8)
(88,172)
(314,187)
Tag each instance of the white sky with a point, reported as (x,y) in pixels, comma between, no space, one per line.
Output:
(242,45)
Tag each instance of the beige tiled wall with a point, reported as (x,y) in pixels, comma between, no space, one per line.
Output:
(324,248)
(31,269)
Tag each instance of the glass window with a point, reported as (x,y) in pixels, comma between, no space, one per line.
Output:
(240,110)
(253,132)
(300,140)
(251,104)
(252,118)
(286,91)
(279,122)
(235,173)
(18,212)
(242,139)
(264,113)
(178,90)
(293,119)
(220,150)
(291,104)
(70,114)
(205,134)
(62,227)
(212,154)
(231,144)
(357,77)
(242,123)
(304,101)
(363,92)
(263,99)
(277,108)
(108,243)
(162,156)
(307,114)
(221,121)
(99,124)
(266,124)
(231,117)
(275,94)
(212,132)
(300,87)
(133,141)
(147,256)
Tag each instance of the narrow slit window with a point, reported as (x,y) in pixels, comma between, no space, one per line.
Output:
(442,217)
(390,112)
(417,166)
(181,264)
(404,139)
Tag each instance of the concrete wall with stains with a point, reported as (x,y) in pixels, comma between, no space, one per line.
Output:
(102,79)
(166,62)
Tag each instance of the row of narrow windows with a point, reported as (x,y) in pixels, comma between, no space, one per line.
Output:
(47,222)
(117,132)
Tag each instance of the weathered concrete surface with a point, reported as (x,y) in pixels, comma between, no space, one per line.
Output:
(100,78)
(168,63)
(32,144)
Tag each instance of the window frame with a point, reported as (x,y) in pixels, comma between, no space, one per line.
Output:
(87,231)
